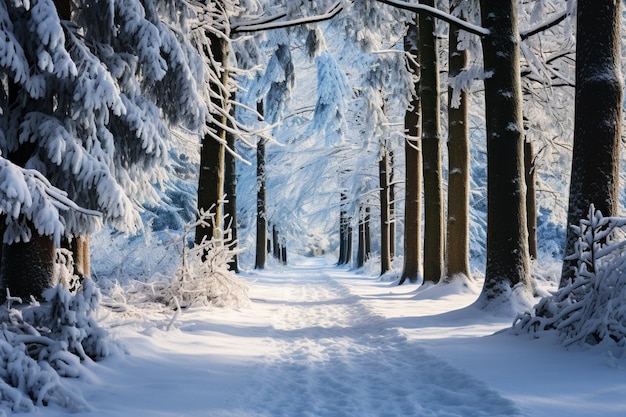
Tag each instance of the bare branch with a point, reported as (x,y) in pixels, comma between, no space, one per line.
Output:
(333,11)
(525,34)
(438,14)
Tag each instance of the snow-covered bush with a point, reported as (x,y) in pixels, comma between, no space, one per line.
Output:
(42,343)
(591,309)
(203,277)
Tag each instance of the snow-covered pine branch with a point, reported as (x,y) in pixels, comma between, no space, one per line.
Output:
(591,309)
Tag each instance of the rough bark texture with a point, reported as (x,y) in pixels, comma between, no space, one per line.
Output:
(261,218)
(385,257)
(230,189)
(597,117)
(211,177)
(457,242)
(413,171)
(507,235)
(531,198)
(434,250)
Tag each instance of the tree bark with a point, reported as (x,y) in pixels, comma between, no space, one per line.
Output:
(230,189)
(413,171)
(457,242)
(507,234)
(392,206)
(597,118)
(211,178)
(385,258)
(262,245)
(531,197)
(434,250)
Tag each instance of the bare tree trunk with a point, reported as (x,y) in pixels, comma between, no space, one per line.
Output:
(385,258)
(531,199)
(392,207)
(457,241)
(434,249)
(230,189)
(276,246)
(261,213)
(507,234)
(413,171)
(211,178)
(597,118)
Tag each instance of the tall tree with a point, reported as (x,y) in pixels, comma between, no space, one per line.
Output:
(383,178)
(507,235)
(413,163)
(597,117)
(457,242)
(261,209)
(79,124)
(434,248)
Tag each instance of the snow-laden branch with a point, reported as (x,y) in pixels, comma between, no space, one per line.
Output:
(333,11)
(235,27)
(525,34)
(431,11)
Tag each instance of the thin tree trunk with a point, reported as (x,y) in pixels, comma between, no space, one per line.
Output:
(392,207)
(343,231)
(360,252)
(507,239)
(413,171)
(457,242)
(597,118)
(276,247)
(385,258)
(261,213)
(230,189)
(531,199)
(434,249)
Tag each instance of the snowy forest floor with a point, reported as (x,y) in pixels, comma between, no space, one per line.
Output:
(321,341)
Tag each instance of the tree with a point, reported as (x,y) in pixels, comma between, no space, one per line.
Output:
(598,117)
(86,110)
(457,242)
(261,210)
(413,164)
(434,245)
(383,178)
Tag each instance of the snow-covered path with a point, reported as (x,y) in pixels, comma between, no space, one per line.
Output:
(330,356)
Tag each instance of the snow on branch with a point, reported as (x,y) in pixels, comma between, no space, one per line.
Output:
(333,11)
(591,309)
(434,12)
(525,34)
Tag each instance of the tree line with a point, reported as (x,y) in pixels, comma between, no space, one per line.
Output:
(90,97)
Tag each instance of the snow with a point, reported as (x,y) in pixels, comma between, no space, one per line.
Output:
(317,340)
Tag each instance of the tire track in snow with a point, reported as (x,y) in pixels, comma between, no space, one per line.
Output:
(334,358)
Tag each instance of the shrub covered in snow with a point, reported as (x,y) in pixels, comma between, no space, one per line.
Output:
(42,343)
(203,277)
(591,309)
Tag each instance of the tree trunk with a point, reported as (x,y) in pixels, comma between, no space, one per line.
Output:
(211,178)
(262,240)
(276,246)
(507,234)
(431,144)
(413,171)
(457,242)
(364,248)
(343,231)
(531,198)
(597,118)
(385,258)
(230,189)
(392,207)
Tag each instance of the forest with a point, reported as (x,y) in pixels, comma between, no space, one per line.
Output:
(431,144)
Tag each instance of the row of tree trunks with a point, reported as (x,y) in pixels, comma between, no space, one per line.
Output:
(364,249)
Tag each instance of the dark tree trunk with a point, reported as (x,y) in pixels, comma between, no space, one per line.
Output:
(27,268)
(230,189)
(507,234)
(531,198)
(276,246)
(385,258)
(211,178)
(434,250)
(261,215)
(457,242)
(413,171)
(597,117)
(344,231)
(392,207)
(364,248)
